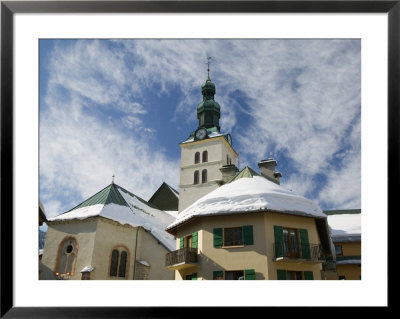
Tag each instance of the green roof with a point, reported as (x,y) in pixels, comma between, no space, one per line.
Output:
(245,172)
(343,211)
(107,195)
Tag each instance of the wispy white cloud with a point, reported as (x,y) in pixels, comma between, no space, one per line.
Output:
(301,99)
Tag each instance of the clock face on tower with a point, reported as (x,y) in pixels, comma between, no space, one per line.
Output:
(200,134)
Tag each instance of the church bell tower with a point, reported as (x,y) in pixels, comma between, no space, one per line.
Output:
(207,155)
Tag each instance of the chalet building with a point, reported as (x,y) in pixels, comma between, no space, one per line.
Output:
(346,237)
(240,225)
(250,228)
(112,235)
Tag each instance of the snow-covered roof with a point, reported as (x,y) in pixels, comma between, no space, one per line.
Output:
(173,213)
(144,263)
(345,225)
(349,262)
(87,269)
(249,194)
(132,211)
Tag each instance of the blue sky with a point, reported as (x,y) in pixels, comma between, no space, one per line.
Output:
(123,106)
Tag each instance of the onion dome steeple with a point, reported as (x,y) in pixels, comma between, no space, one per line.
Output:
(208,111)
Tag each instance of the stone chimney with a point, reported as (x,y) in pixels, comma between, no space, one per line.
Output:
(228,171)
(267,170)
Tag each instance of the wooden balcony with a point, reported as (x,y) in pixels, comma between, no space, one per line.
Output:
(309,253)
(182,258)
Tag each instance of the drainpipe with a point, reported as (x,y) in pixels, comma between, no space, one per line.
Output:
(134,258)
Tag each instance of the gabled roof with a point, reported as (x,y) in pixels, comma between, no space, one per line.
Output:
(245,172)
(116,203)
(164,185)
(106,196)
(165,198)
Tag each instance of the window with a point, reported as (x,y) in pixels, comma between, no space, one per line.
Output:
(205,156)
(234,275)
(338,250)
(188,241)
(85,276)
(204,176)
(294,275)
(233,236)
(191,276)
(67,256)
(196,177)
(247,274)
(283,274)
(197,158)
(291,243)
(290,238)
(119,258)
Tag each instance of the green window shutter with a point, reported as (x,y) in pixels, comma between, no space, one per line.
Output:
(194,240)
(218,273)
(308,275)
(305,245)
(194,276)
(248,235)
(181,242)
(249,274)
(217,237)
(279,246)
(281,274)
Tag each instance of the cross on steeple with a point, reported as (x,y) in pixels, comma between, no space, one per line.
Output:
(208,69)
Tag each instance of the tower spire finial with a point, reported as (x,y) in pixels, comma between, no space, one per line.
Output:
(112,182)
(208,69)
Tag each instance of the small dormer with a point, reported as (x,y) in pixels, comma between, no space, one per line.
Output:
(267,170)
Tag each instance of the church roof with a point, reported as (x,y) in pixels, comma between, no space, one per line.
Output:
(248,192)
(107,195)
(116,203)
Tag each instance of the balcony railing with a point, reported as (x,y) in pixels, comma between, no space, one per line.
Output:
(184,257)
(307,252)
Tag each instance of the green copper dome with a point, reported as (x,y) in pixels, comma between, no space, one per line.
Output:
(208,110)
(208,87)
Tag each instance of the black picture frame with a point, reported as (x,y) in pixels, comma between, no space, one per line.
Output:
(9,8)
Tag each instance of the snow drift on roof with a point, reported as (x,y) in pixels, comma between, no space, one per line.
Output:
(249,194)
(137,213)
(345,224)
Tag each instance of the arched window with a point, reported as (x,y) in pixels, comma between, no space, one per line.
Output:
(196,177)
(197,158)
(119,258)
(204,176)
(205,156)
(67,252)
(114,263)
